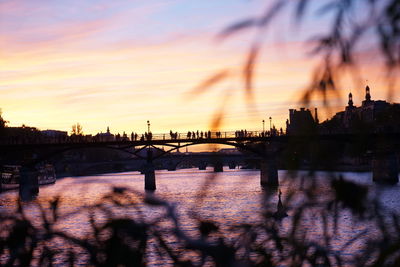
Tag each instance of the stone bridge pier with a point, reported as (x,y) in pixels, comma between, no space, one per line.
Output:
(269,172)
(28,184)
(149,177)
(171,166)
(202,165)
(385,168)
(218,166)
(149,173)
(232,165)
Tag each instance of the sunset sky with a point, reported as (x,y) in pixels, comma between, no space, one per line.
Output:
(121,63)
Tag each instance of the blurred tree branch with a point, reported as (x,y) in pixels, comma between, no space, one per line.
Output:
(354,25)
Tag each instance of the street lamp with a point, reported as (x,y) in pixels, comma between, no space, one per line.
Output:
(270,123)
(148,126)
(263,125)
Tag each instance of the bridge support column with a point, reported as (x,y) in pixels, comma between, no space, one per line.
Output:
(218,167)
(171,166)
(202,166)
(149,177)
(28,184)
(232,165)
(149,173)
(385,168)
(269,173)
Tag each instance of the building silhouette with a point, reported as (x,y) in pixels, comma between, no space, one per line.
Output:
(372,116)
(301,121)
(105,137)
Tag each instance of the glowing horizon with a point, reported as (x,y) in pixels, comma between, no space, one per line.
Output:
(120,64)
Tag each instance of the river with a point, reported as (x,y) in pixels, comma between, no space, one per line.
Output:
(233,197)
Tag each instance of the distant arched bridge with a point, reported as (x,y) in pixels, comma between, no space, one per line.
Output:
(266,147)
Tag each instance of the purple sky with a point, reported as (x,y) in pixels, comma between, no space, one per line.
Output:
(121,63)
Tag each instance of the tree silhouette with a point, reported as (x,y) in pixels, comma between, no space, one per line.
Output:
(77,129)
(3,123)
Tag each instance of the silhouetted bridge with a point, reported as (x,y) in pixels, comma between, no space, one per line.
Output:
(170,162)
(383,147)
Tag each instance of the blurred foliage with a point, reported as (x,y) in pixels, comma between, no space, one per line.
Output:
(132,239)
(352,31)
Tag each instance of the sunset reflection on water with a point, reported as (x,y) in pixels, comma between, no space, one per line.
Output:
(234,198)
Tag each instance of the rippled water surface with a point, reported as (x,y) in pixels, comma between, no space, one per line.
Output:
(234,197)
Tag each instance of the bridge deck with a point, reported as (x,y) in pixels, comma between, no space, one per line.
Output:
(226,138)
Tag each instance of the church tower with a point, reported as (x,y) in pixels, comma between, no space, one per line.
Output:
(367,94)
(367,101)
(350,103)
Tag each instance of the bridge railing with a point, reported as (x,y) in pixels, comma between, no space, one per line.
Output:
(184,136)
(210,135)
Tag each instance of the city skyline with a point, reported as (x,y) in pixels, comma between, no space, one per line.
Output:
(120,64)
(365,109)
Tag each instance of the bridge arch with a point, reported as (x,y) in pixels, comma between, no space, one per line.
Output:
(210,141)
(102,167)
(52,154)
(183,161)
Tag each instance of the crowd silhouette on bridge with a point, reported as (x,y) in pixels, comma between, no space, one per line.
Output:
(38,138)
(200,135)
(197,135)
